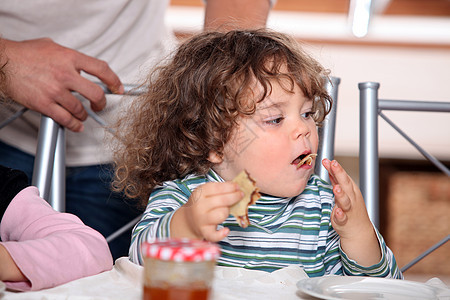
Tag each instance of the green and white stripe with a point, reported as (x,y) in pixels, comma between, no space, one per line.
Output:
(282,231)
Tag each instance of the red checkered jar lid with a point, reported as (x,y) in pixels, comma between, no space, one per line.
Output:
(180,250)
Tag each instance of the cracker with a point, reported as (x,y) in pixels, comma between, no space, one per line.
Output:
(251,194)
(308,159)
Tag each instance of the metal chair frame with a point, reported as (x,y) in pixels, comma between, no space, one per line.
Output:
(50,164)
(370,108)
(327,131)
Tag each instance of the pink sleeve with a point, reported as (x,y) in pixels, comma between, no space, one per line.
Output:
(50,248)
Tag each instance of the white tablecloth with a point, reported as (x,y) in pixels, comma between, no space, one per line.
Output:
(124,281)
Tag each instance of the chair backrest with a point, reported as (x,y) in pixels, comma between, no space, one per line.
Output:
(49,165)
(370,108)
(327,131)
(49,171)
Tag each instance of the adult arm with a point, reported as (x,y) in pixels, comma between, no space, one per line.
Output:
(42,75)
(49,248)
(234,14)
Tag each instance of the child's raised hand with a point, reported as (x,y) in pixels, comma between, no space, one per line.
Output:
(207,207)
(349,213)
(350,219)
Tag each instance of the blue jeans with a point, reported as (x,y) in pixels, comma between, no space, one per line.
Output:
(88,195)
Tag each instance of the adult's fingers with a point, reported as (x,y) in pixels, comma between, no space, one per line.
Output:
(102,71)
(72,104)
(60,105)
(90,91)
(61,116)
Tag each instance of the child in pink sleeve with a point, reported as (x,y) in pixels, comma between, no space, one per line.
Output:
(40,247)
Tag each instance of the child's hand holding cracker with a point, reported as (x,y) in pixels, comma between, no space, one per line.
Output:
(350,219)
(208,206)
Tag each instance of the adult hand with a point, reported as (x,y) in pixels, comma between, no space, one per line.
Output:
(42,76)
(208,206)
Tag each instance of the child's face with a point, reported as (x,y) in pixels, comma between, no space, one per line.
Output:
(268,143)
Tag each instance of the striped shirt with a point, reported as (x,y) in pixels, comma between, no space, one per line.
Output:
(282,231)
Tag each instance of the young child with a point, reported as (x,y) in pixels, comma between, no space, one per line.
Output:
(40,247)
(245,100)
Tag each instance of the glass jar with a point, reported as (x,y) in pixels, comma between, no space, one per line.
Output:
(179,269)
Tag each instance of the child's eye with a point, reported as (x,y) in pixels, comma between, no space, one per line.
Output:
(274,121)
(307,115)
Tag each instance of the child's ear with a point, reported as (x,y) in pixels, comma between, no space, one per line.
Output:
(214,157)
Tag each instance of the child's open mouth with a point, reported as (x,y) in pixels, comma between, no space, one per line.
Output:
(304,159)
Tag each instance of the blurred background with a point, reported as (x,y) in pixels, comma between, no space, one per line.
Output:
(405,46)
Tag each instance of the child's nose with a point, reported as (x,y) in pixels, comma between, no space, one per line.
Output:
(301,129)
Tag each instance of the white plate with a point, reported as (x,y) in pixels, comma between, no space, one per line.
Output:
(336,287)
(2,286)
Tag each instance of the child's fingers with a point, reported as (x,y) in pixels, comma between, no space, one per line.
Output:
(212,235)
(216,194)
(343,179)
(341,198)
(224,200)
(210,206)
(327,164)
(217,216)
(218,188)
(339,174)
(339,216)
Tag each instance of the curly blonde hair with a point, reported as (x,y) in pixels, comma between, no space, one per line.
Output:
(193,101)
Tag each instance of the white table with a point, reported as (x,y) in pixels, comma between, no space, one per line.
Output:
(124,281)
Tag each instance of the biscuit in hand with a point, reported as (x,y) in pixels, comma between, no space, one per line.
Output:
(251,194)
